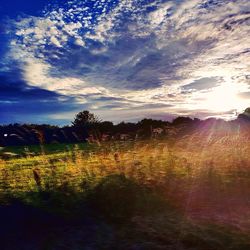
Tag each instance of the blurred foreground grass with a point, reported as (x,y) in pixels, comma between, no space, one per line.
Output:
(192,193)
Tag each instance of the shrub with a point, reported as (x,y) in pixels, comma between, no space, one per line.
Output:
(115,197)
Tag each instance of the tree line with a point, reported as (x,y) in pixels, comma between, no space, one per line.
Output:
(86,125)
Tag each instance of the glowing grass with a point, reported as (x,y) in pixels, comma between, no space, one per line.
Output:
(206,176)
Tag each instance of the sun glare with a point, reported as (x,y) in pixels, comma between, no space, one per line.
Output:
(224,98)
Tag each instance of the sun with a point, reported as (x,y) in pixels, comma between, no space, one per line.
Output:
(224,97)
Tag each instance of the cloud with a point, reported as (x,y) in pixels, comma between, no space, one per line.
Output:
(112,54)
(202,84)
(245,95)
(18,101)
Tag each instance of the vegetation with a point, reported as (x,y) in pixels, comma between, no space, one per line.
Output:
(85,119)
(150,185)
(87,126)
(185,193)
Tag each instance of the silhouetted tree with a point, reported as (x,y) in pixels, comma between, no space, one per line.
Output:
(85,124)
(85,119)
(245,115)
(181,120)
(106,127)
(124,127)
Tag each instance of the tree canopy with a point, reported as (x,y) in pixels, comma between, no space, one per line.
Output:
(85,119)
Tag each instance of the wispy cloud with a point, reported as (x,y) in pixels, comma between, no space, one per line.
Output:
(167,55)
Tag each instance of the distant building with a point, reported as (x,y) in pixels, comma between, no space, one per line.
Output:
(105,137)
(157,131)
(124,137)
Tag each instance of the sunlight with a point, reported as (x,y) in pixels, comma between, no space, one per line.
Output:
(224,98)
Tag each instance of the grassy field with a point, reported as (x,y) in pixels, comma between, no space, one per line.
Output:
(46,149)
(190,193)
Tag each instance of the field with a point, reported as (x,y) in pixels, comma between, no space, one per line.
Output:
(190,193)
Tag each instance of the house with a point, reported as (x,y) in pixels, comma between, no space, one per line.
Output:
(105,137)
(157,131)
(124,137)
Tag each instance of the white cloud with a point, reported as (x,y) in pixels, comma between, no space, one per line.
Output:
(79,41)
(55,41)
(171,45)
(158,16)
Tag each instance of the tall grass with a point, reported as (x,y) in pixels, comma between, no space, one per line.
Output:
(205,179)
(190,170)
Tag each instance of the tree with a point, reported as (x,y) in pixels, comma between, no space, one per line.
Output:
(106,127)
(86,124)
(181,120)
(245,115)
(85,119)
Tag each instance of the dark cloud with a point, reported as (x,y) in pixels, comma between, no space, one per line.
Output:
(203,84)
(18,101)
(106,98)
(128,63)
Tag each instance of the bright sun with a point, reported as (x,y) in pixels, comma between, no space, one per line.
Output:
(224,98)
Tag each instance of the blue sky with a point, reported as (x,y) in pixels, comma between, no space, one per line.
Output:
(123,59)
(16,7)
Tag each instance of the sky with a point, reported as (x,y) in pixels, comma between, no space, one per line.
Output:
(124,60)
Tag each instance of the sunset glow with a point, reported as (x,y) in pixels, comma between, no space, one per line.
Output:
(119,57)
(125,124)
(224,98)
